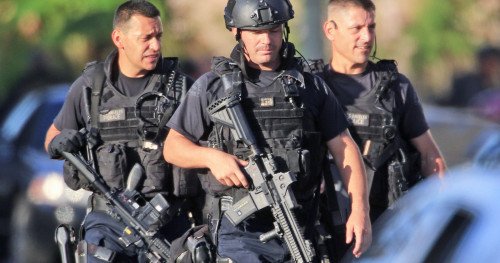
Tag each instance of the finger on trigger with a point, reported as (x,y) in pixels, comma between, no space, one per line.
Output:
(235,180)
(242,179)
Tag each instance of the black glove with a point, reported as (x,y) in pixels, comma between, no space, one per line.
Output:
(66,141)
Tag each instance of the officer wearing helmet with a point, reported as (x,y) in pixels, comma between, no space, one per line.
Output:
(293,115)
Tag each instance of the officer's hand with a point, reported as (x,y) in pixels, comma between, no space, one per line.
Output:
(359,228)
(66,141)
(227,169)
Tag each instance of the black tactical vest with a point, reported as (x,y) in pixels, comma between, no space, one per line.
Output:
(281,125)
(373,117)
(374,125)
(132,129)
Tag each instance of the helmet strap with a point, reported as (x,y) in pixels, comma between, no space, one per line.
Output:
(243,60)
(286,32)
(238,35)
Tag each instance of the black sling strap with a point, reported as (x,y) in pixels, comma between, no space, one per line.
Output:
(99,78)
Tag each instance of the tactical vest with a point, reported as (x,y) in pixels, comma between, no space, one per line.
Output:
(281,125)
(132,129)
(373,118)
(374,122)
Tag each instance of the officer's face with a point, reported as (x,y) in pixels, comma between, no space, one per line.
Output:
(139,45)
(262,47)
(351,31)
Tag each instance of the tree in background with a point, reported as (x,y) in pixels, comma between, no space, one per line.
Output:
(51,40)
(447,34)
(429,39)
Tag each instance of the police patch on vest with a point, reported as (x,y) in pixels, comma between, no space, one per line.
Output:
(359,119)
(267,102)
(113,115)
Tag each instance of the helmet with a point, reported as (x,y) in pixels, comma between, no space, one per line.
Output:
(257,14)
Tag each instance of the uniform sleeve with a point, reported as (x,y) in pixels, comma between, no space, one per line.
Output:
(331,119)
(71,115)
(413,122)
(191,118)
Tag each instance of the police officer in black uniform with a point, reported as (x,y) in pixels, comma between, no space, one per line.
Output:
(386,117)
(124,104)
(293,115)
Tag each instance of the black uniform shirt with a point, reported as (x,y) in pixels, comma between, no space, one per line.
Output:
(73,114)
(192,120)
(348,88)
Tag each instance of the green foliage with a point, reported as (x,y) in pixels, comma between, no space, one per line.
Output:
(440,32)
(66,33)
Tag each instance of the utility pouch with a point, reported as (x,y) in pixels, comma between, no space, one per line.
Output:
(112,163)
(398,185)
(73,178)
(311,160)
(412,168)
(185,182)
(194,246)
(287,160)
(403,173)
(210,183)
(158,177)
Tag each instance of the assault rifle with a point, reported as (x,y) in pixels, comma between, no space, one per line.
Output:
(269,187)
(142,218)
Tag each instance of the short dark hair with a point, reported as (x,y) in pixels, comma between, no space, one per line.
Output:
(488,51)
(367,5)
(134,7)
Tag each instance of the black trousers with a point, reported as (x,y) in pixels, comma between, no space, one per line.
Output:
(103,230)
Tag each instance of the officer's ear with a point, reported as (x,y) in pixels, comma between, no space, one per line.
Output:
(328,29)
(117,37)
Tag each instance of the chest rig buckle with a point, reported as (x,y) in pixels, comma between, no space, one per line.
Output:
(150,126)
(290,85)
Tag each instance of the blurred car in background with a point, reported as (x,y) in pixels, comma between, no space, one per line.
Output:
(488,150)
(33,196)
(458,131)
(450,220)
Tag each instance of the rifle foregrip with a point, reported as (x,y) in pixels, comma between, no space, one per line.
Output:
(300,248)
(161,247)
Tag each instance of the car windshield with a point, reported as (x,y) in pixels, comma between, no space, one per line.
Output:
(39,123)
(28,121)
